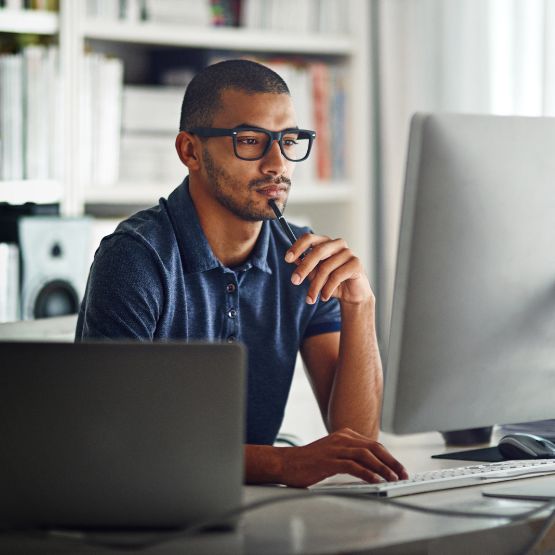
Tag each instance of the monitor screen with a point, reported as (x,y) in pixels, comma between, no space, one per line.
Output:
(472,337)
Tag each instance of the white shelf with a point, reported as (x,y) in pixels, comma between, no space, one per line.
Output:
(28,21)
(148,194)
(40,191)
(124,193)
(228,38)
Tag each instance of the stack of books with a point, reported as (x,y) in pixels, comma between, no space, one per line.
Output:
(30,114)
(149,127)
(296,16)
(101,98)
(289,16)
(199,13)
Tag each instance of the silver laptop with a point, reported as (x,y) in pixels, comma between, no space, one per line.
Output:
(119,435)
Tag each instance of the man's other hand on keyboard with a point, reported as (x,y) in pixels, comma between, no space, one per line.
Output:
(341,452)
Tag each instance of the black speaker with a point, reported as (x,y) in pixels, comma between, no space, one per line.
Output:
(55,264)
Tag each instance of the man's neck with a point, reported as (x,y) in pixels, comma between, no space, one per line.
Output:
(230,238)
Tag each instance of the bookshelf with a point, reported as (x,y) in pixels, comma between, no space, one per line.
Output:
(337,207)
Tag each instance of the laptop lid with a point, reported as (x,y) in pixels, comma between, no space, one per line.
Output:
(120,435)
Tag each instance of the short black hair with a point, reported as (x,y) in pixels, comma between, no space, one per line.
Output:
(203,95)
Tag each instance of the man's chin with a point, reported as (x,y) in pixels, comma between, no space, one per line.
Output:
(281,202)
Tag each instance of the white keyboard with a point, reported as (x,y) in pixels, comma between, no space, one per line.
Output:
(434,480)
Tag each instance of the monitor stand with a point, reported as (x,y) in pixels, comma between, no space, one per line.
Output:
(470,436)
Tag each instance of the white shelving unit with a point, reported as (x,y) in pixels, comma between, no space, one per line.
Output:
(28,21)
(217,38)
(338,208)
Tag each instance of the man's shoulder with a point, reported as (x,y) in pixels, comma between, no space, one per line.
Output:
(150,229)
(152,224)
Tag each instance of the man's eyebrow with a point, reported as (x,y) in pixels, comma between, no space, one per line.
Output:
(247,125)
(252,125)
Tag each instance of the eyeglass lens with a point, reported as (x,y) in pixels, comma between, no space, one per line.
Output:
(252,145)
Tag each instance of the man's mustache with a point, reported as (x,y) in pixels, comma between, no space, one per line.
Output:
(270,181)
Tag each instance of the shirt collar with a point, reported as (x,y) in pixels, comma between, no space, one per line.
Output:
(196,253)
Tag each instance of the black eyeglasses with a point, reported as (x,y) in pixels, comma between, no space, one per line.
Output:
(253,143)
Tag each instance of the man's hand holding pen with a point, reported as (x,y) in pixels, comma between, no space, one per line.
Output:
(332,269)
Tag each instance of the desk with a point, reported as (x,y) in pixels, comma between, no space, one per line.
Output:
(334,525)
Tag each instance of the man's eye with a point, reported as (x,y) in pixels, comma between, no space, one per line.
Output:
(289,142)
(247,140)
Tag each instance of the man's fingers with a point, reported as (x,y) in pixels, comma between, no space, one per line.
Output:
(356,440)
(386,457)
(325,257)
(332,272)
(315,248)
(347,466)
(380,452)
(302,244)
(366,458)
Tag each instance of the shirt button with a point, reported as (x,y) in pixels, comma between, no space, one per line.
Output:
(232,313)
(231,339)
(230,288)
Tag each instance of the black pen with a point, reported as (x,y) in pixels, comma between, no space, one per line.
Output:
(284,225)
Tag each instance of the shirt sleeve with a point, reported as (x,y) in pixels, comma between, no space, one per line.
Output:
(124,294)
(326,318)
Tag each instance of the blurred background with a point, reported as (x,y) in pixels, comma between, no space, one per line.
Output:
(90,96)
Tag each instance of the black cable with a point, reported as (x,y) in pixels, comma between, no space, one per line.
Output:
(84,538)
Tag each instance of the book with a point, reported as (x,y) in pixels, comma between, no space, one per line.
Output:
(101,87)
(150,158)
(9,282)
(12,119)
(151,108)
(321,91)
(176,12)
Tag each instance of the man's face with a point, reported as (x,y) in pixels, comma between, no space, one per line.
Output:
(245,187)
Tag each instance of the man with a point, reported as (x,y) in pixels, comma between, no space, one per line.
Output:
(212,263)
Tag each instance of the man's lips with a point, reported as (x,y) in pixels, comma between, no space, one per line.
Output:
(272,191)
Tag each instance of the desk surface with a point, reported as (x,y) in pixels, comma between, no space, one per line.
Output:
(334,525)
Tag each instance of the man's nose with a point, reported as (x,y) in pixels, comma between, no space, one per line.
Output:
(274,162)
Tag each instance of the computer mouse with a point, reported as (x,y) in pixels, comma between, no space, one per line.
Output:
(526,446)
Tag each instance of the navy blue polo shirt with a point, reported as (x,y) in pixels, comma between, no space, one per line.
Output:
(156,279)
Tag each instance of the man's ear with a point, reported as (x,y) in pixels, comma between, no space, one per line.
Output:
(188,147)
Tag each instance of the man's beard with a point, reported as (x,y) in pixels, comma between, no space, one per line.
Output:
(223,184)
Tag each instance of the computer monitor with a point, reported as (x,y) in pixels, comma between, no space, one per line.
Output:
(472,337)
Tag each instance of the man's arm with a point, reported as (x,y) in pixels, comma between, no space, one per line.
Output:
(347,379)
(345,372)
(346,375)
